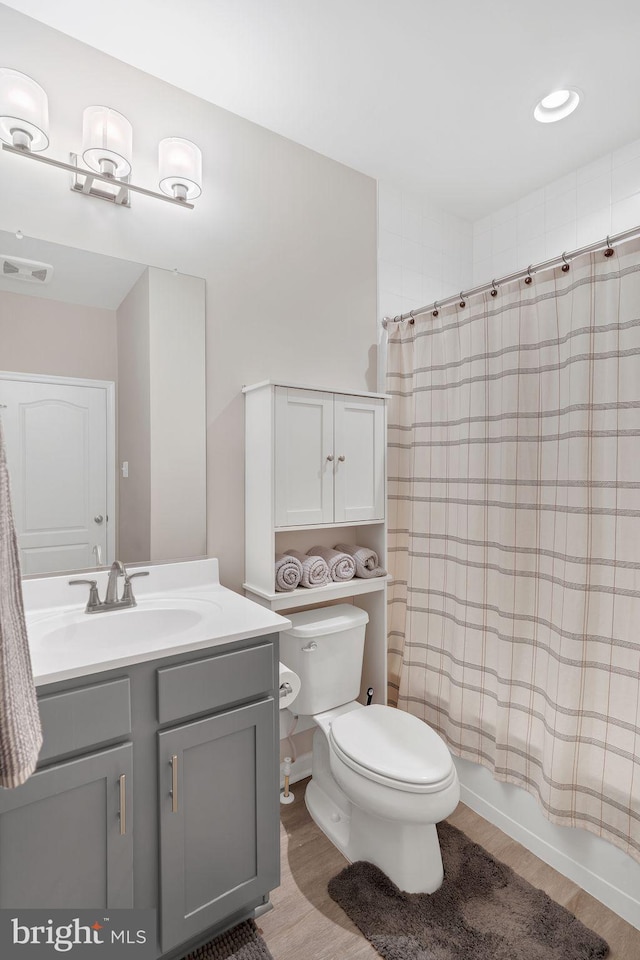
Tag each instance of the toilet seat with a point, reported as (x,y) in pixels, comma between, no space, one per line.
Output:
(394,748)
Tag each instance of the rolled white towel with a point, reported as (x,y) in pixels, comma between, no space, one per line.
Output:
(315,572)
(288,572)
(341,566)
(367,563)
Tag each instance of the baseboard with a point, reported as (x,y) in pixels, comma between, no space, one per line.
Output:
(546,840)
(300,769)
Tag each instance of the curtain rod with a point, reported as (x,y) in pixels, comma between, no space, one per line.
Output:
(563,260)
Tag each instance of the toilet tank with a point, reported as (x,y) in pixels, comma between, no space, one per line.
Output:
(325,648)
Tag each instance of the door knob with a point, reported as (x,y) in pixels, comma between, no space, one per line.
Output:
(329,457)
(98,518)
(342,458)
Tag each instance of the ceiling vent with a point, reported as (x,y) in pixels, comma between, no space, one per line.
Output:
(31,271)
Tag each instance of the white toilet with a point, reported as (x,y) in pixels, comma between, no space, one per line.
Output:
(382,778)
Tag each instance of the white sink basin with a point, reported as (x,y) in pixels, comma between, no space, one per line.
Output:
(153,620)
(75,639)
(181,607)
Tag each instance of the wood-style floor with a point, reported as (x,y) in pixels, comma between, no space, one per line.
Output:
(306,924)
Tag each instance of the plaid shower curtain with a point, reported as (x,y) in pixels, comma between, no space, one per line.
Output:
(514,546)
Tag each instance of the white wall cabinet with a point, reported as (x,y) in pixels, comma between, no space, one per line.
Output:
(329,457)
(315,473)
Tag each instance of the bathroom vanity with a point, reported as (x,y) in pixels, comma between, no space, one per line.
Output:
(157,783)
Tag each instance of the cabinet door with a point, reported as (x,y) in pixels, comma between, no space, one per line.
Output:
(61,844)
(360,458)
(219,830)
(304,457)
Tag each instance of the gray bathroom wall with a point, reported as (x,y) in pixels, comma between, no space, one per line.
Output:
(285,239)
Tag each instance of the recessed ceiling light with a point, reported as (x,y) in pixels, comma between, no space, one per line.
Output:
(556,105)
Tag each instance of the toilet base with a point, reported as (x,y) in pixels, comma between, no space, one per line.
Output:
(409,853)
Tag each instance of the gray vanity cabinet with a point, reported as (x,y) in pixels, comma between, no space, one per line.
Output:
(217,843)
(62,841)
(186,747)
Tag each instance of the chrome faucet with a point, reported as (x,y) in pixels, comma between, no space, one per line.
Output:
(111,600)
(117,571)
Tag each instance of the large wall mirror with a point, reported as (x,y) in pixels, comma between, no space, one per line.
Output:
(102,400)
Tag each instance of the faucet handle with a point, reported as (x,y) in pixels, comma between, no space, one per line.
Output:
(127,593)
(94,598)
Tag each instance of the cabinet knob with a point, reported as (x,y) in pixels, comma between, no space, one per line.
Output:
(342,458)
(329,457)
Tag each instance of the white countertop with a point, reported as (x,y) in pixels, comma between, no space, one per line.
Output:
(181,607)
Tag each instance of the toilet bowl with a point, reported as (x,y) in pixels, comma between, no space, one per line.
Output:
(381,778)
(379,798)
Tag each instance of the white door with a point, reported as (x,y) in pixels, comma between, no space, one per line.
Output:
(56,444)
(359,450)
(304,460)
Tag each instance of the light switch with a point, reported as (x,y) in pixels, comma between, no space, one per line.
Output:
(124,467)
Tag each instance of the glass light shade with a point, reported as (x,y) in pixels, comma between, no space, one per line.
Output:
(180,165)
(107,141)
(24,111)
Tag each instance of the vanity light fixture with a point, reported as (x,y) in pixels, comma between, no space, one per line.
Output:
(107,139)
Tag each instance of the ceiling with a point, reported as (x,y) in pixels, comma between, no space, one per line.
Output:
(434,97)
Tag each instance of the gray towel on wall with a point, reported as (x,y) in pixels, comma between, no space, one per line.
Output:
(288,572)
(20,729)
(367,563)
(341,566)
(315,572)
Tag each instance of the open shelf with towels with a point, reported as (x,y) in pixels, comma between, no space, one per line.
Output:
(310,596)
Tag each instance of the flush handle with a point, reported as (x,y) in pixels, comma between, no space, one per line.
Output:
(312,645)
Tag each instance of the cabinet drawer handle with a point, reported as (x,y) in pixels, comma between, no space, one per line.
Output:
(329,457)
(123,804)
(174,784)
(342,458)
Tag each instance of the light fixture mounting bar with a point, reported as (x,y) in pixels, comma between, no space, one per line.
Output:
(90,175)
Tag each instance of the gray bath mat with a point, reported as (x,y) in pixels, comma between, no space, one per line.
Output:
(482,911)
(240,943)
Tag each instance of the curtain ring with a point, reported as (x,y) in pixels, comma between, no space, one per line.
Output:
(494,292)
(412,318)
(435,309)
(609,251)
(528,279)
(565,266)
(463,302)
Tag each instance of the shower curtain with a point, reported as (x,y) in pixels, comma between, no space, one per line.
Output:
(514,546)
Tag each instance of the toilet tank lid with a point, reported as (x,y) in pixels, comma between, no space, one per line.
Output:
(326,620)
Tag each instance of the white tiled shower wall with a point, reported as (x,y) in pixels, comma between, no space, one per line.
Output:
(425,254)
(582,207)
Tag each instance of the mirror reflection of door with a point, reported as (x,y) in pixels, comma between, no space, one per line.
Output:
(57,434)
